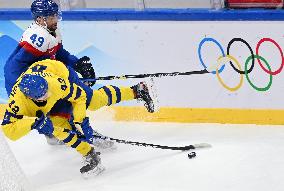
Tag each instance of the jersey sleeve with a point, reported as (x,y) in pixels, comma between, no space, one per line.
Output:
(77,96)
(65,57)
(14,124)
(14,128)
(78,101)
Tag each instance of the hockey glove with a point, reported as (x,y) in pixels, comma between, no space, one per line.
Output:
(85,68)
(87,130)
(43,124)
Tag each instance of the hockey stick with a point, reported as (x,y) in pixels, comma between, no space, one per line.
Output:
(184,148)
(146,75)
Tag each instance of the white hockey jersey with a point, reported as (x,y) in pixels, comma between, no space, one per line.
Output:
(40,42)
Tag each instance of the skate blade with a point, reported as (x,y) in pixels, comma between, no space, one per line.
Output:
(202,145)
(95,172)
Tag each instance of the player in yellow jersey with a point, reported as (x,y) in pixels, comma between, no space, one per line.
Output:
(42,86)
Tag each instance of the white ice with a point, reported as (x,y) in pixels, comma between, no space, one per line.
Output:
(242,158)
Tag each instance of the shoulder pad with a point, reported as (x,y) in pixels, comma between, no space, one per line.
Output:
(37,36)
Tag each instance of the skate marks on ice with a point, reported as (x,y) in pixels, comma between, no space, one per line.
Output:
(243,157)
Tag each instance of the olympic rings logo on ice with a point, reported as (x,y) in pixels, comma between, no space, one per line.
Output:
(237,66)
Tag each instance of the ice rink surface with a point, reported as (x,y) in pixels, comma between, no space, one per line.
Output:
(242,158)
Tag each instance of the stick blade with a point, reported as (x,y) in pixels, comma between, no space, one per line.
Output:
(202,145)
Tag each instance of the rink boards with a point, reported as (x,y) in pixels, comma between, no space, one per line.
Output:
(242,50)
(187,115)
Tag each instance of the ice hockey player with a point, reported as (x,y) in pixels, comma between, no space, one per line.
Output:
(42,85)
(42,40)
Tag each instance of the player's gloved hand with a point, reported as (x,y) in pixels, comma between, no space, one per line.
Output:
(43,124)
(86,129)
(85,68)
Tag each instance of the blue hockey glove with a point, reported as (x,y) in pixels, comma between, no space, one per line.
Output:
(43,124)
(85,68)
(87,130)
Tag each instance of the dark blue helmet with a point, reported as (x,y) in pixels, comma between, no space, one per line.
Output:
(33,86)
(44,8)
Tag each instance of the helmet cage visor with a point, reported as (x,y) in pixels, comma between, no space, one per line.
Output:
(57,16)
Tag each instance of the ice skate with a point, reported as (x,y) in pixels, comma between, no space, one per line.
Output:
(92,164)
(142,93)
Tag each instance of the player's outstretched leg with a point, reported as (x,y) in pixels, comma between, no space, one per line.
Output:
(141,92)
(110,95)
(92,165)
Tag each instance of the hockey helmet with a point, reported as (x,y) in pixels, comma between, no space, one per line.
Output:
(33,86)
(44,8)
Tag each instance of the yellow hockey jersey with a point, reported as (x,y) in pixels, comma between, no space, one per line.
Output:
(21,110)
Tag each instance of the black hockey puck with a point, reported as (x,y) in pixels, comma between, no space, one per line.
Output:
(191,155)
